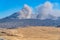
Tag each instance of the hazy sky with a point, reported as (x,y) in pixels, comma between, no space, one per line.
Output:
(8,7)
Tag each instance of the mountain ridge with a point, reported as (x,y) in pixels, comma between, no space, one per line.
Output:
(26,17)
(28,12)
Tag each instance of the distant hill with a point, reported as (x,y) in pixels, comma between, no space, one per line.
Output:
(13,23)
(26,17)
(31,33)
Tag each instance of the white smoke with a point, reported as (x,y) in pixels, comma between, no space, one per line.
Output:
(46,9)
(29,9)
(43,11)
(56,13)
(26,12)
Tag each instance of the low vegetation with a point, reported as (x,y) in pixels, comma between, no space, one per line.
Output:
(31,33)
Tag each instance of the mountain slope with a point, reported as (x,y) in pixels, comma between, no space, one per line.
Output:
(14,23)
(24,13)
(41,12)
(29,17)
(31,33)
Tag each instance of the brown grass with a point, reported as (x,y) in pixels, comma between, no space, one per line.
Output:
(31,33)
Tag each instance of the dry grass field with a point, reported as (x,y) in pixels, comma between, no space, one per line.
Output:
(31,33)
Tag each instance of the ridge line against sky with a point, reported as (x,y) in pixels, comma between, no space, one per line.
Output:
(8,7)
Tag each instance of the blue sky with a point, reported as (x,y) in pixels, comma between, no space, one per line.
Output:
(8,7)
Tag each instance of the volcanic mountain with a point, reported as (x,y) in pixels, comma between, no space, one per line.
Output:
(28,17)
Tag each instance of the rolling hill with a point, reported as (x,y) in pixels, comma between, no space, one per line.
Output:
(31,33)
